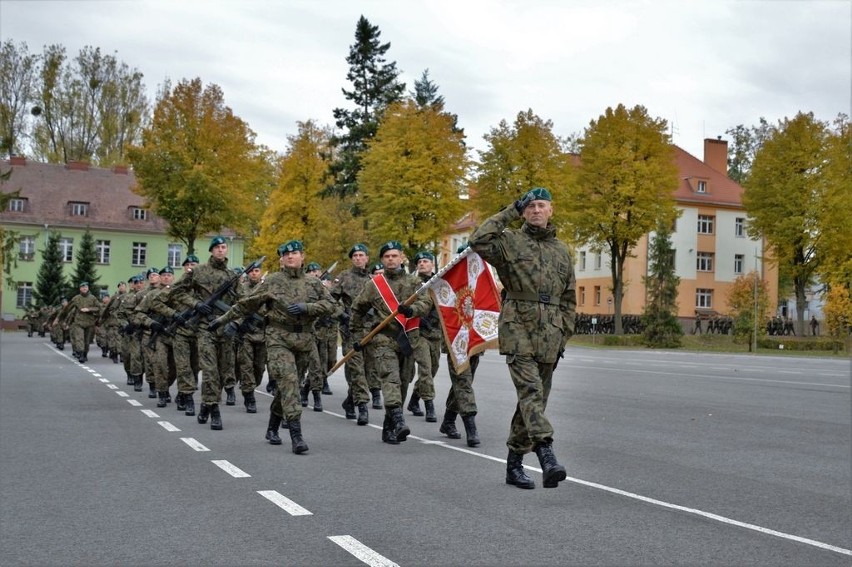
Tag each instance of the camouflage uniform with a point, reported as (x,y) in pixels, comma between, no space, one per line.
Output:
(345,289)
(109,322)
(160,367)
(251,349)
(427,355)
(82,323)
(31,318)
(147,351)
(131,348)
(536,318)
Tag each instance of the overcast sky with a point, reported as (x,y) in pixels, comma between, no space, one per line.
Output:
(703,65)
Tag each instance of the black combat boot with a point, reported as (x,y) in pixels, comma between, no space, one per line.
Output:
(388,434)
(190,404)
(448,426)
(317,400)
(430,411)
(553,472)
(414,404)
(114,356)
(400,429)
(326,391)
(270,386)
(83,357)
(272,429)
(303,393)
(515,474)
(180,405)
(137,382)
(130,380)
(203,413)
(377,397)
(152,390)
(168,397)
(105,352)
(251,403)
(299,445)
(230,397)
(215,418)
(470,429)
(161,403)
(348,407)
(363,414)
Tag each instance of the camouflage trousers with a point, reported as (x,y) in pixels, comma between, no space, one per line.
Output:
(427,356)
(113,338)
(148,351)
(185,353)
(132,354)
(81,338)
(313,373)
(395,370)
(216,358)
(251,363)
(356,377)
(327,348)
(370,370)
(532,383)
(288,355)
(461,399)
(163,365)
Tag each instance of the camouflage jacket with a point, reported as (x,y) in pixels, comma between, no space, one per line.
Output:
(108,315)
(201,283)
(124,310)
(404,285)
(87,318)
(537,274)
(345,288)
(430,324)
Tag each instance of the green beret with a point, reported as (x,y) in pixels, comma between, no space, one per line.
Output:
(84,284)
(190,258)
(121,283)
(217,240)
(167,270)
(312,266)
(376,268)
(133,279)
(423,254)
(390,245)
(358,248)
(291,246)
(152,271)
(539,194)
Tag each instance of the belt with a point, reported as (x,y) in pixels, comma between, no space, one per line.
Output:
(531,296)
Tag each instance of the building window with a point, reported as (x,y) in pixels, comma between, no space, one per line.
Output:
(705,224)
(79,209)
(739,262)
(582,295)
(704,262)
(704,298)
(739,227)
(138,213)
(701,187)
(25,294)
(139,254)
(102,251)
(582,260)
(66,247)
(175,251)
(17,205)
(26,248)
(597,295)
(597,260)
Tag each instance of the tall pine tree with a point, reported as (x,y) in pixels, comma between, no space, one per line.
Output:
(662,328)
(376,85)
(50,285)
(84,269)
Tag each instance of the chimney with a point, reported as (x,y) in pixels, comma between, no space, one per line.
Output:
(17,160)
(716,154)
(77,166)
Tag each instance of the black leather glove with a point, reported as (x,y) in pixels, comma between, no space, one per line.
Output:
(357,346)
(203,308)
(297,308)
(180,319)
(522,203)
(215,324)
(157,327)
(231,329)
(344,318)
(405,310)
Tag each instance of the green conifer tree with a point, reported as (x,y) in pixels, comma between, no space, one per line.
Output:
(50,285)
(84,268)
(662,328)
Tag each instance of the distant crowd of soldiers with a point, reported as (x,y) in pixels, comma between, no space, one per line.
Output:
(594,324)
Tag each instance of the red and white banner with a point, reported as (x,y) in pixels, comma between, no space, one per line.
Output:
(468,303)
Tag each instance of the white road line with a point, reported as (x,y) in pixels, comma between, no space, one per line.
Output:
(112,386)
(284,503)
(104,380)
(91,370)
(231,469)
(194,444)
(123,394)
(789,371)
(150,413)
(134,403)
(96,375)
(361,551)
(167,426)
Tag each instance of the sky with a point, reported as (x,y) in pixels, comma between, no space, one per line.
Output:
(703,65)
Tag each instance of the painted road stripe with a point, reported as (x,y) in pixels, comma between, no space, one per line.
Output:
(134,402)
(123,394)
(104,380)
(361,551)
(96,375)
(150,413)
(112,386)
(284,503)
(194,444)
(168,426)
(231,469)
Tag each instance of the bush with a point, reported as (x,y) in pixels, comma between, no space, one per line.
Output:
(623,340)
(801,344)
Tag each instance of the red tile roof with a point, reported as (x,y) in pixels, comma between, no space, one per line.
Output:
(721,190)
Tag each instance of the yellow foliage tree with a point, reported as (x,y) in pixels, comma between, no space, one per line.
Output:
(838,312)
(748,298)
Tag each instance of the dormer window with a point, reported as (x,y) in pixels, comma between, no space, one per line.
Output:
(138,213)
(79,209)
(701,186)
(17,205)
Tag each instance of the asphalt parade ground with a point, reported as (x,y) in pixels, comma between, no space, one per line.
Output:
(673,458)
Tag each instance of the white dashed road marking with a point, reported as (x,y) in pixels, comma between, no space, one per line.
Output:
(112,386)
(194,444)
(134,403)
(284,503)
(231,469)
(361,551)
(123,394)
(150,413)
(168,426)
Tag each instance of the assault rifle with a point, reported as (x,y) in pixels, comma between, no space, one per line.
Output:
(326,275)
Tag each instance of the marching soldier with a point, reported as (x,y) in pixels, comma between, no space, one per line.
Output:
(109,322)
(427,350)
(160,364)
(131,348)
(251,345)
(83,313)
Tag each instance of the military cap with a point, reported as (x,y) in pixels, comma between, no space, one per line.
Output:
(312,266)
(376,268)
(390,245)
(423,254)
(152,271)
(190,258)
(84,284)
(539,194)
(291,246)
(217,240)
(121,283)
(167,270)
(358,248)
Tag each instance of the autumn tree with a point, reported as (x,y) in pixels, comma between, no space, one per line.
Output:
(662,328)
(87,109)
(85,267)
(835,216)
(838,313)
(785,195)
(9,239)
(198,166)
(51,284)
(624,187)
(296,210)
(375,85)
(748,301)
(746,141)
(18,68)
(521,156)
(413,171)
